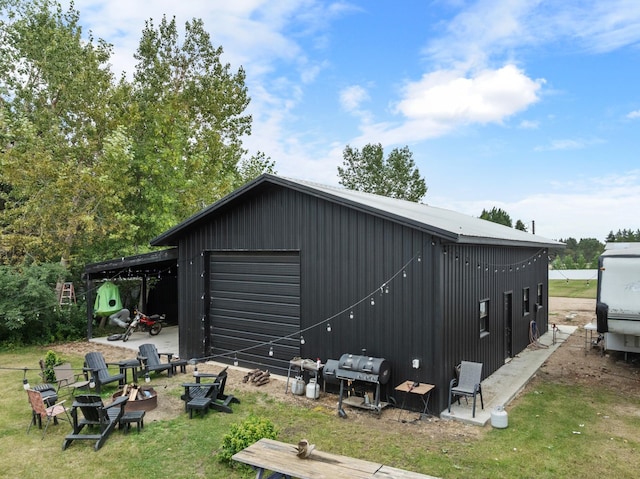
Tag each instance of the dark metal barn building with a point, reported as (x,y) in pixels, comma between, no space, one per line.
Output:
(283,268)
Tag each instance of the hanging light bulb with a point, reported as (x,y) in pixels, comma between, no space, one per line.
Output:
(301,339)
(404,274)
(351,315)
(147,378)
(419,258)
(25,381)
(271,351)
(373,301)
(328,327)
(386,288)
(235,360)
(92,383)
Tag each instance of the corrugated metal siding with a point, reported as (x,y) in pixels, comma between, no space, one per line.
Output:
(475,273)
(346,257)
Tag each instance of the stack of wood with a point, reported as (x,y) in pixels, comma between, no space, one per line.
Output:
(133,391)
(257,377)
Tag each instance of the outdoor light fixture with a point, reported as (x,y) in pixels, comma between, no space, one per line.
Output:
(328,327)
(25,381)
(271,351)
(351,315)
(92,383)
(235,360)
(147,379)
(301,339)
(373,301)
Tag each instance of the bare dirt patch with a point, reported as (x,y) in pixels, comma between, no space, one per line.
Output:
(574,362)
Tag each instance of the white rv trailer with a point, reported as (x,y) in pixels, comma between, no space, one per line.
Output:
(618,300)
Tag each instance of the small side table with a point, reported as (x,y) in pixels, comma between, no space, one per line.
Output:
(130,417)
(304,365)
(199,404)
(422,389)
(125,364)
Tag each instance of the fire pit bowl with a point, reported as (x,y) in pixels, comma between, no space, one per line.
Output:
(146,400)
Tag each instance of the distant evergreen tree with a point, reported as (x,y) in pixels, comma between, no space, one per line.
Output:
(497,215)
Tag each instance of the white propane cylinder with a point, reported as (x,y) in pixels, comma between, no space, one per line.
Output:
(297,387)
(499,418)
(313,389)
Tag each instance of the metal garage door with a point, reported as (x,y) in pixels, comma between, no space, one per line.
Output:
(255,305)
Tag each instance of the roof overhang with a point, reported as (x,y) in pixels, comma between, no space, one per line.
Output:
(157,263)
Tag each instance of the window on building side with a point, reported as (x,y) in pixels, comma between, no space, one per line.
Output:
(539,299)
(525,301)
(484,317)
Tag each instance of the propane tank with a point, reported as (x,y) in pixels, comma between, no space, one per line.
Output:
(313,389)
(297,387)
(499,418)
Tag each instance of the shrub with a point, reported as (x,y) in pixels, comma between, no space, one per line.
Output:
(51,360)
(244,434)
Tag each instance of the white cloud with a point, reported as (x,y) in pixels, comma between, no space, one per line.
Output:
(352,97)
(529,125)
(588,208)
(633,114)
(569,144)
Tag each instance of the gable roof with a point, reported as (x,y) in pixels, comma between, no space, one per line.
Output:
(447,224)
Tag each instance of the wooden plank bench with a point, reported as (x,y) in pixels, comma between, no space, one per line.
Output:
(281,459)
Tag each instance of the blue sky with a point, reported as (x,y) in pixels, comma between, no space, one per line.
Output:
(530,106)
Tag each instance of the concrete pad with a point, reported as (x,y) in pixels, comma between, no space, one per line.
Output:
(506,383)
(165,342)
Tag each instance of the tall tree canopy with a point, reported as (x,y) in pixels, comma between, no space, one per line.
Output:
(55,131)
(368,171)
(186,125)
(93,167)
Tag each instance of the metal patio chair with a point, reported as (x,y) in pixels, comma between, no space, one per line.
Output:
(468,384)
(42,411)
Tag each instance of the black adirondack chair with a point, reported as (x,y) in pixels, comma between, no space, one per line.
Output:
(95,415)
(149,357)
(95,365)
(213,390)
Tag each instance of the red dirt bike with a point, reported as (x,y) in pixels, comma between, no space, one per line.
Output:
(144,323)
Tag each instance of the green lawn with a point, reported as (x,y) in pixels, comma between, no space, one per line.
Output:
(555,430)
(575,288)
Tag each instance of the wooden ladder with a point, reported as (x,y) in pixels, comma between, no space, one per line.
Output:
(67,294)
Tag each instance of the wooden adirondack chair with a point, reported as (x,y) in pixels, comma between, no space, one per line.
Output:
(95,415)
(213,390)
(95,365)
(149,357)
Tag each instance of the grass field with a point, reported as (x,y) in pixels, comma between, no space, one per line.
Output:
(556,430)
(574,288)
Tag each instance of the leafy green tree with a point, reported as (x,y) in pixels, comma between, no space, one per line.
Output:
(185,125)
(497,215)
(521,226)
(368,171)
(249,169)
(92,167)
(55,130)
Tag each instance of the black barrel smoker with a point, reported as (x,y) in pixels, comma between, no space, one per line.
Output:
(350,368)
